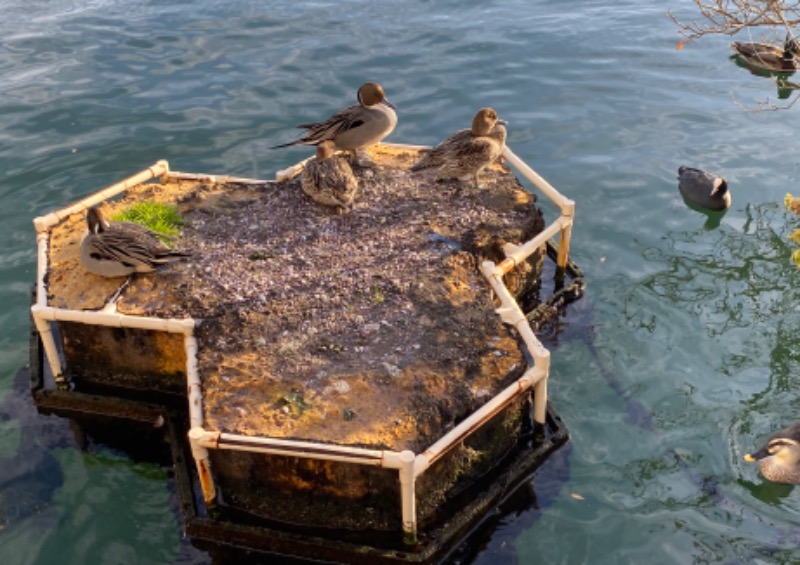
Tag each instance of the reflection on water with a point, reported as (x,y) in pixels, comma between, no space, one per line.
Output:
(29,472)
(713,217)
(784,86)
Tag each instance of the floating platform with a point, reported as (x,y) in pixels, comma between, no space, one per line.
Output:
(367,379)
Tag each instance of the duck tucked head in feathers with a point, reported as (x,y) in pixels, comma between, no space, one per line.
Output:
(118,249)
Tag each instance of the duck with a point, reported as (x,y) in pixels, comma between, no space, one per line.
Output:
(328,179)
(769,57)
(356,127)
(779,459)
(119,249)
(468,151)
(704,189)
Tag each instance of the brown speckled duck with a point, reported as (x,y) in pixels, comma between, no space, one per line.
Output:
(328,179)
(779,459)
(769,57)
(468,151)
(119,249)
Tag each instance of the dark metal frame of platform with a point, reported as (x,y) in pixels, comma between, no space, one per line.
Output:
(223,534)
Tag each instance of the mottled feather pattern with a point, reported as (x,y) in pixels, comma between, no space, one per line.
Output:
(328,179)
(467,151)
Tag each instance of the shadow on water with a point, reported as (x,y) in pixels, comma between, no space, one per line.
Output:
(32,474)
(493,541)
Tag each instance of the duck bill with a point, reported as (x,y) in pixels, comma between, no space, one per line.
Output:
(385,101)
(502,122)
(753,457)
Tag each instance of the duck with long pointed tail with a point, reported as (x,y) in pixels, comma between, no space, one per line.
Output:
(355,127)
(769,57)
(468,151)
(779,459)
(704,189)
(119,249)
(328,179)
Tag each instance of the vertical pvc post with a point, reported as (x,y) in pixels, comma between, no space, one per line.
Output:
(542,363)
(49,344)
(408,497)
(200,454)
(540,401)
(194,386)
(568,210)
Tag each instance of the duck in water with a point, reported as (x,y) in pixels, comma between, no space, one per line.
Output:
(779,459)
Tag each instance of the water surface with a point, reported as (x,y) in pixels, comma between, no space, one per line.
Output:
(681,357)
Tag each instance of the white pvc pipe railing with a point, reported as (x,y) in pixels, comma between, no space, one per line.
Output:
(43,223)
(175,175)
(409,465)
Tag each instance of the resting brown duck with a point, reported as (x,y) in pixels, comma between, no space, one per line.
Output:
(328,179)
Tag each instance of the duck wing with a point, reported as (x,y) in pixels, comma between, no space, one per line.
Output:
(700,182)
(445,151)
(342,121)
(756,50)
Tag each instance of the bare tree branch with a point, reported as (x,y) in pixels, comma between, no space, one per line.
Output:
(729,17)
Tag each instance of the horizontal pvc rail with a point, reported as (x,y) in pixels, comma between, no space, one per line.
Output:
(43,223)
(471,424)
(175,175)
(291,172)
(516,254)
(566,205)
(183,326)
(296,448)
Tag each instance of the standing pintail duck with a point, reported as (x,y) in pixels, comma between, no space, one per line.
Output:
(779,459)
(468,151)
(704,189)
(119,249)
(356,127)
(769,57)
(328,179)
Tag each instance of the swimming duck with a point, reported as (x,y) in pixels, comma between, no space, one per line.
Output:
(769,57)
(467,151)
(328,179)
(704,189)
(355,127)
(779,459)
(118,249)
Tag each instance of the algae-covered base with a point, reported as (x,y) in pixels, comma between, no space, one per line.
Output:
(371,326)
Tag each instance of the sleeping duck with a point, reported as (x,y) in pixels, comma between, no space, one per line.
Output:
(779,459)
(704,189)
(769,57)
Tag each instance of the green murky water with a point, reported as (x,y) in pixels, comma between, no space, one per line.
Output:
(681,357)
